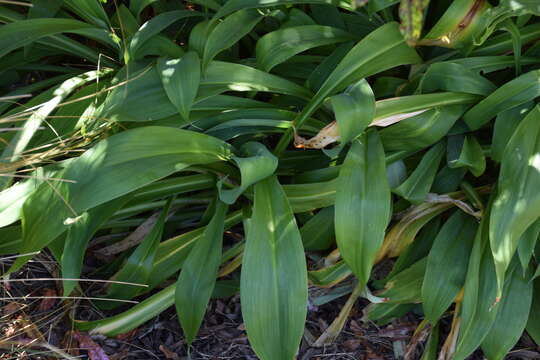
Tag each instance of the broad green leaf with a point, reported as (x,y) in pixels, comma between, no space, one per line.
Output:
(318,232)
(24,32)
(156,25)
(362,204)
(354,110)
(517,202)
(273,288)
(198,276)
(89,10)
(533,324)
(504,127)
(422,130)
(512,316)
(229,32)
(477,310)
(78,236)
(44,8)
(307,197)
(450,76)
(104,173)
(432,345)
(515,92)
(447,265)
(137,6)
(324,69)
(527,243)
(278,46)
(383,313)
(138,265)
(406,286)
(466,152)
(181,78)
(418,184)
(378,5)
(260,164)
(382,49)
(237,77)
(330,275)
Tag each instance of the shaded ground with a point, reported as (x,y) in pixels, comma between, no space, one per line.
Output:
(27,324)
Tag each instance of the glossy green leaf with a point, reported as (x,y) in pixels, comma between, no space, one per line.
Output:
(515,92)
(406,286)
(318,232)
(382,49)
(422,130)
(105,173)
(450,76)
(447,264)
(533,324)
(466,152)
(504,127)
(512,316)
(259,165)
(235,5)
(273,287)
(527,243)
(198,276)
(517,202)
(181,78)
(478,312)
(228,32)
(362,204)
(280,45)
(418,184)
(354,110)
(154,26)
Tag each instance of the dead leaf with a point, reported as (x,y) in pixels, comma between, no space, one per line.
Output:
(127,335)
(168,353)
(328,135)
(95,352)
(47,303)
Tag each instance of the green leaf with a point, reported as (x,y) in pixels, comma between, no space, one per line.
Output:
(477,312)
(137,6)
(237,77)
(451,76)
(422,130)
(318,232)
(354,110)
(181,78)
(24,32)
(527,243)
(512,316)
(505,125)
(406,286)
(418,184)
(198,276)
(139,264)
(228,32)
(382,49)
(466,152)
(90,10)
(447,265)
(517,202)
(253,169)
(362,204)
(156,25)
(278,46)
(515,92)
(78,236)
(533,324)
(105,172)
(273,287)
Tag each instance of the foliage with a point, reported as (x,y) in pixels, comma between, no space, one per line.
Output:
(190,119)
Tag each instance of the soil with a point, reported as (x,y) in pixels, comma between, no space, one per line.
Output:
(27,324)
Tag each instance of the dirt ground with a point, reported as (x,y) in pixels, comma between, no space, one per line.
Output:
(40,329)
